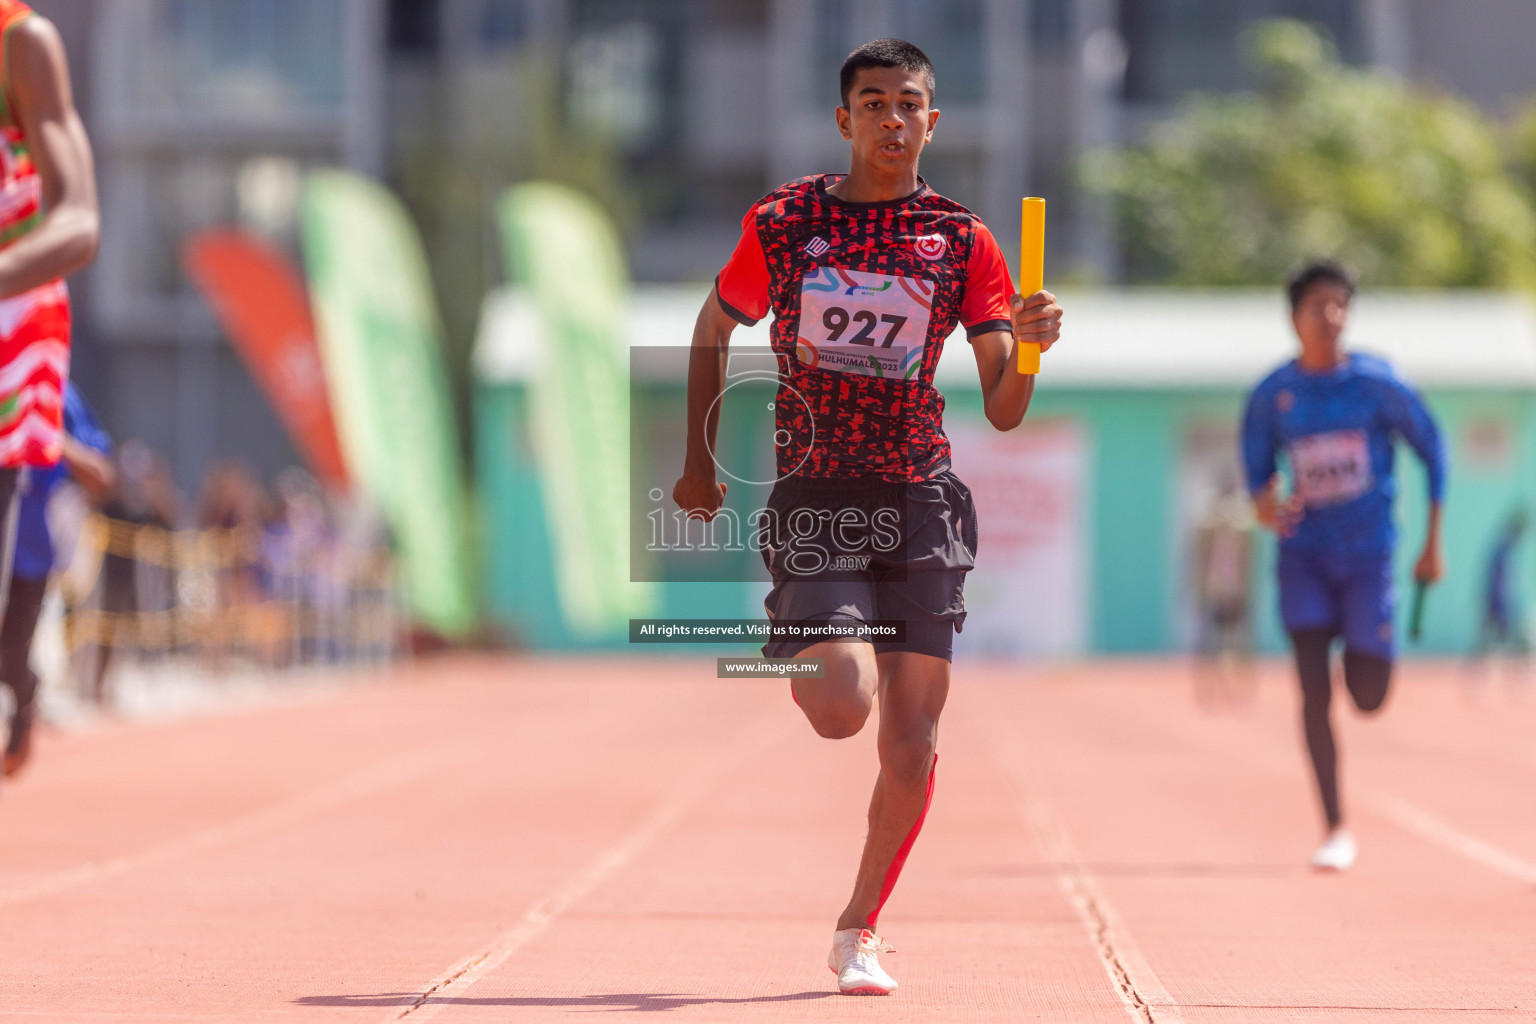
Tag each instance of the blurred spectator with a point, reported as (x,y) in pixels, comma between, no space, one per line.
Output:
(144,496)
(1503,617)
(256,579)
(1223,575)
(233,512)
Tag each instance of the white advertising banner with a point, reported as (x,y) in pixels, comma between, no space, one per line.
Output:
(1028,596)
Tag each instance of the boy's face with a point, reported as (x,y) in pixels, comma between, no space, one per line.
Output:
(1321,314)
(888,119)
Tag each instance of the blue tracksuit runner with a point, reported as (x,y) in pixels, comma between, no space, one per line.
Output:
(1337,430)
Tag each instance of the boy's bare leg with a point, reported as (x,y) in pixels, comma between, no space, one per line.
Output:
(913,688)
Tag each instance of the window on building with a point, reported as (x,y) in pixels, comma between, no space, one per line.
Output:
(415,27)
(1051,23)
(258,58)
(953,35)
(503,24)
(1181,46)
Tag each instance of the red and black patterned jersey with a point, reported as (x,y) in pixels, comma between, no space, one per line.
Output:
(863,296)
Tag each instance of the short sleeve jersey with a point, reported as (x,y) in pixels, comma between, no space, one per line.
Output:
(863,296)
(1337,431)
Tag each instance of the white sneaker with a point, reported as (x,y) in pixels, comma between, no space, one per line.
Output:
(1337,852)
(854,960)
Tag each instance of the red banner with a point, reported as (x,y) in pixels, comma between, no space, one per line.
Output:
(262,305)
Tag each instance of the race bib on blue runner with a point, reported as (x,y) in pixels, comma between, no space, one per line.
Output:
(1331,468)
(874,325)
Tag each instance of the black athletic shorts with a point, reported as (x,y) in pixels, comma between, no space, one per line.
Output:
(861,551)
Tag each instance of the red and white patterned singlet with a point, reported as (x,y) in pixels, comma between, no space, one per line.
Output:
(34,326)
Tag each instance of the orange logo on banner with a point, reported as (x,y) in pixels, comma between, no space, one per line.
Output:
(262,305)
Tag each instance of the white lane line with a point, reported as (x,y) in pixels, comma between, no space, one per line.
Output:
(438,994)
(1405,814)
(1139,988)
(1442,833)
(387,774)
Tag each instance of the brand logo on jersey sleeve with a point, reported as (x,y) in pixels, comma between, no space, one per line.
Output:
(816,247)
(931,247)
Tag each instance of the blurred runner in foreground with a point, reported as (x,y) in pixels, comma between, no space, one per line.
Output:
(84,447)
(1223,582)
(866,274)
(1336,416)
(48,228)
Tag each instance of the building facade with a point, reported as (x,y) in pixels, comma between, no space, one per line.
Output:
(676,113)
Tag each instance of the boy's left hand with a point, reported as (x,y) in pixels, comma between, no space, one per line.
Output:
(1430,566)
(1036,319)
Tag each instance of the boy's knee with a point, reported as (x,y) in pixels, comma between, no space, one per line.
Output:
(838,704)
(1368,678)
(838,719)
(1371,701)
(20,679)
(835,712)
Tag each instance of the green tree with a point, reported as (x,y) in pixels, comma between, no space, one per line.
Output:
(1523,146)
(1410,187)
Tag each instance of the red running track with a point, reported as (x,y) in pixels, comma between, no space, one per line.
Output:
(532,840)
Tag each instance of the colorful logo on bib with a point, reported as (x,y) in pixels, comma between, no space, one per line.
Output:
(931,247)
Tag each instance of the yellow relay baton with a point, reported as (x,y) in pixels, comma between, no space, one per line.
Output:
(1031,270)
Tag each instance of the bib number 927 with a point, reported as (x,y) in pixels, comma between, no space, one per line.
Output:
(836,320)
(874,325)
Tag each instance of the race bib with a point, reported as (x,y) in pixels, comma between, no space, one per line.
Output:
(1331,468)
(874,325)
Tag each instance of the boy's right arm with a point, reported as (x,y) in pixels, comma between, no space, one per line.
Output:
(697,490)
(91,468)
(740,296)
(39,89)
(1275,513)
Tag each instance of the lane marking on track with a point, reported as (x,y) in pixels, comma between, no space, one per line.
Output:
(1140,990)
(387,774)
(440,993)
(1442,833)
(1403,813)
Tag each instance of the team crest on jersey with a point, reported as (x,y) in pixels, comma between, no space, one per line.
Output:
(931,247)
(1284,401)
(816,247)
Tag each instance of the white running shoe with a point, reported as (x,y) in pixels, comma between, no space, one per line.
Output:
(1337,852)
(854,959)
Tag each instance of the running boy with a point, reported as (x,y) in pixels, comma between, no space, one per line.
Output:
(866,274)
(1336,415)
(86,458)
(48,228)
